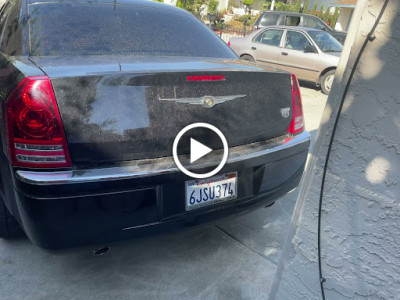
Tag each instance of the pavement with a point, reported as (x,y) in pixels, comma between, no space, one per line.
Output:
(233,259)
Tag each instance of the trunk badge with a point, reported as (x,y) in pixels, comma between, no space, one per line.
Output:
(206,101)
(285,112)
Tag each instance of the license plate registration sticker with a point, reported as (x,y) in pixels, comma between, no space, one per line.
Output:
(209,191)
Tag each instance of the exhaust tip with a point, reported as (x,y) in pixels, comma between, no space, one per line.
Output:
(101,251)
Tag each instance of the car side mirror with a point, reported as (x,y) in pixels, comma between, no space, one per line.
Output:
(309,49)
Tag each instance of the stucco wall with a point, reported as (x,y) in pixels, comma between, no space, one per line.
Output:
(223,4)
(171,2)
(344,18)
(360,238)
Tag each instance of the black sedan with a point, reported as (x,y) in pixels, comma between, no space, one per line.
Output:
(92,97)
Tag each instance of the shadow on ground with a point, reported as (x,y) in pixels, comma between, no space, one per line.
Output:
(310,85)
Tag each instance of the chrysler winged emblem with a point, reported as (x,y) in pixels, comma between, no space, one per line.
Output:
(206,101)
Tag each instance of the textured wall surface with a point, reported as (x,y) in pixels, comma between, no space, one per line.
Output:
(360,238)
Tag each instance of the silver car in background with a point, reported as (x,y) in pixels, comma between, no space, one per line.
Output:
(311,54)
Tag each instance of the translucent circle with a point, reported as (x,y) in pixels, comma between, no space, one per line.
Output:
(175,150)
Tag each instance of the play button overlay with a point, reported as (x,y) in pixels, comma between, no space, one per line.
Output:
(199,148)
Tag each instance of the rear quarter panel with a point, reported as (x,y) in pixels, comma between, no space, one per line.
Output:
(327,62)
(12,71)
(242,45)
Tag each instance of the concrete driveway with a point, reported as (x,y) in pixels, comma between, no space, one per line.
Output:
(234,259)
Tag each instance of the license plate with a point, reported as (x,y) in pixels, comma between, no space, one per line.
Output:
(213,190)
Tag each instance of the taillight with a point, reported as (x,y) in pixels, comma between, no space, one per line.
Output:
(205,78)
(297,124)
(229,43)
(35,133)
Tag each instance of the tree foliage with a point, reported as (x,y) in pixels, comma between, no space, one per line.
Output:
(335,17)
(194,6)
(232,3)
(213,6)
(280,6)
(306,5)
(326,16)
(321,11)
(314,10)
(266,5)
(297,6)
(248,2)
(292,6)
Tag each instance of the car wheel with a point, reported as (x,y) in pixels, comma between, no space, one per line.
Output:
(326,81)
(9,226)
(247,57)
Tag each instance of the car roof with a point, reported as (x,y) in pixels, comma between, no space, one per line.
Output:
(287,13)
(307,29)
(93,1)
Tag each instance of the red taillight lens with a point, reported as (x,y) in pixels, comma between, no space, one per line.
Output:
(35,133)
(229,43)
(35,124)
(297,124)
(205,78)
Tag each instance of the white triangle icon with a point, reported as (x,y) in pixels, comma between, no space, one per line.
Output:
(197,150)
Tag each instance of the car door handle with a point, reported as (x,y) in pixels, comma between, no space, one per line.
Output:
(253,48)
(284,53)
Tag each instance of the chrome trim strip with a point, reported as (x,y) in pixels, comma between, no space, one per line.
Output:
(159,166)
(43,159)
(36,148)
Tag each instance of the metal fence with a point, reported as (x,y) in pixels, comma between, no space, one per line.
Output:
(227,32)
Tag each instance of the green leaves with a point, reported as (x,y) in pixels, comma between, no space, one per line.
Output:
(314,11)
(306,5)
(248,2)
(193,6)
(321,11)
(213,6)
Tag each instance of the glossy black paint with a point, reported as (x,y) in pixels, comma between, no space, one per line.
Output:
(137,124)
(112,109)
(63,216)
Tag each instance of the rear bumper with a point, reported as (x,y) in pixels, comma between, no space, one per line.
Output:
(81,207)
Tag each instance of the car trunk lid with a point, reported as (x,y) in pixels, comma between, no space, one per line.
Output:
(118,109)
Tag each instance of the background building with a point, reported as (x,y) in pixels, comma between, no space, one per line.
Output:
(346,12)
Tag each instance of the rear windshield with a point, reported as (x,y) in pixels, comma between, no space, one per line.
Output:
(269,19)
(64,29)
